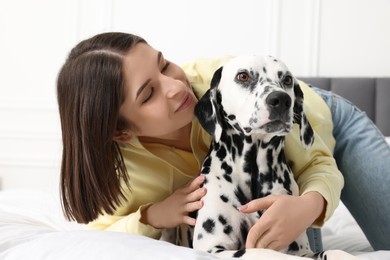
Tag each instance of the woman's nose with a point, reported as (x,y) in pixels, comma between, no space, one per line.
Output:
(171,86)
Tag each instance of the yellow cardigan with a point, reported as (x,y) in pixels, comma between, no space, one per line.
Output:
(157,170)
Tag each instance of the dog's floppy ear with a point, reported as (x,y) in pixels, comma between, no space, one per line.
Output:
(207,110)
(306,132)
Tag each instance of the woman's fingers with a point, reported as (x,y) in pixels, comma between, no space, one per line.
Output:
(274,245)
(193,191)
(254,234)
(189,221)
(194,184)
(196,195)
(258,204)
(193,206)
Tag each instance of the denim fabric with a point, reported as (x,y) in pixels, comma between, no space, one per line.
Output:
(363,157)
(315,239)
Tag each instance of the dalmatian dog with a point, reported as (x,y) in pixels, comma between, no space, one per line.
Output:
(251,105)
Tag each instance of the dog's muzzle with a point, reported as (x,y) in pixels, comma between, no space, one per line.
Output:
(279,107)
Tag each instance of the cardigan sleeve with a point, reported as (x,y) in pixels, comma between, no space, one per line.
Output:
(315,169)
(129,223)
(154,174)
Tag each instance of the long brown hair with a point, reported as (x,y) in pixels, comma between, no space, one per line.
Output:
(90,89)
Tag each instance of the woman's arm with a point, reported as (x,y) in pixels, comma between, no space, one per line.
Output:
(150,218)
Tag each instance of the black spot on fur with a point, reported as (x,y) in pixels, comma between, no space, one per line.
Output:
(227,229)
(293,246)
(233,153)
(228,142)
(255,185)
(244,229)
(266,180)
(287,182)
(281,158)
(206,170)
(250,160)
(209,225)
(224,198)
(263,145)
(276,141)
(227,177)
(206,165)
(231,117)
(308,135)
(215,146)
(207,162)
(220,249)
(320,255)
(222,220)
(227,168)
(251,167)
(248,139)
(221,153)
(238,142)
(237,127)
(270,157)
(239,253)
(248,183)
(241,196)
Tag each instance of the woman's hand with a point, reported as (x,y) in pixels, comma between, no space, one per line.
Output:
(174,210)
(285,218)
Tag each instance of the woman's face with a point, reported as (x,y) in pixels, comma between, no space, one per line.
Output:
(159,100)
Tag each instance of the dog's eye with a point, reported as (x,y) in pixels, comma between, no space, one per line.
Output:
(288,80)
(242,76)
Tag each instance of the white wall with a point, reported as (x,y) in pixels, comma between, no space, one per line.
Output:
(314,38)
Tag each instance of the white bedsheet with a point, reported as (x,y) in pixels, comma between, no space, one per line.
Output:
(32,227)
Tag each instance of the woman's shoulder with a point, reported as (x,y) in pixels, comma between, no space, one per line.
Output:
(199,72)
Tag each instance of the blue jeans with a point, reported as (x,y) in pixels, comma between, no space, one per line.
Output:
(363,157)
(315,239)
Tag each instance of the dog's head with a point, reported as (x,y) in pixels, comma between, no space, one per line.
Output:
(256,96)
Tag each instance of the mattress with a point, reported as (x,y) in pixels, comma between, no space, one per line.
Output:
(32,226)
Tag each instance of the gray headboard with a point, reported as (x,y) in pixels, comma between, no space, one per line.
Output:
(372,95)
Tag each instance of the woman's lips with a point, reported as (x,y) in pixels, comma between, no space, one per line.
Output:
(187,101)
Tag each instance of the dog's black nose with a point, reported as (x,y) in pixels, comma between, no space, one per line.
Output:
(278,101)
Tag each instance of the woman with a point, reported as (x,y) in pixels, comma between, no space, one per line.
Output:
(132,148)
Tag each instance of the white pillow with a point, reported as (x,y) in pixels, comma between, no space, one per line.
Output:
(388,139)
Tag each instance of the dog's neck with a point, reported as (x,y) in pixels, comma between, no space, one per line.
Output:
(257,158)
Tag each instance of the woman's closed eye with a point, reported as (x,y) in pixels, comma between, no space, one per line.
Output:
(149,95)
(165,67)
(150,92)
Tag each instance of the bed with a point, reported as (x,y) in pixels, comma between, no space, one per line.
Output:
(32,225)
